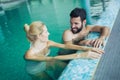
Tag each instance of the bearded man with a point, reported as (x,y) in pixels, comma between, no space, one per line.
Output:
(79,30)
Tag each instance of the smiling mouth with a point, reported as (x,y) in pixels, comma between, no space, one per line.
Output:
(74,29)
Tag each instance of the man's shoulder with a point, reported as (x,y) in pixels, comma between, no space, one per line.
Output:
(67,35)
(68,31)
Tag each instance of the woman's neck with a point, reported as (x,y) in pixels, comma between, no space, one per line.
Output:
(39,45)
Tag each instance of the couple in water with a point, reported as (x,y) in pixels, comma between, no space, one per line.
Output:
(40,65)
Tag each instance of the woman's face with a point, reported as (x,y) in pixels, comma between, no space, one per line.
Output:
(45,34)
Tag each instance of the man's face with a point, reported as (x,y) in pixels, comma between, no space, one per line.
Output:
(76,24)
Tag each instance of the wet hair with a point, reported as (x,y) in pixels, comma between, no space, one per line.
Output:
(33,30)
(78,12)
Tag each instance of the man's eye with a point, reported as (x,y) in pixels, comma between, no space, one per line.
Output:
(76,23)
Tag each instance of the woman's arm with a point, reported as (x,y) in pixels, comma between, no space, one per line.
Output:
(85,55)
(75,47)
(31,56)
(68,46)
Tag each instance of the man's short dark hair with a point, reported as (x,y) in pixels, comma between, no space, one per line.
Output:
(78,12)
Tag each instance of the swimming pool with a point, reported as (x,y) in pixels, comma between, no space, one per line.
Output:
(13,42)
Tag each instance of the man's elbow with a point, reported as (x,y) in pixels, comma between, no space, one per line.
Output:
(107,30)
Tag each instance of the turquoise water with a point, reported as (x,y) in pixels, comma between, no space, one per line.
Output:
(13,42)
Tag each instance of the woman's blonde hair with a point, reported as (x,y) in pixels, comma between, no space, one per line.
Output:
(34,29)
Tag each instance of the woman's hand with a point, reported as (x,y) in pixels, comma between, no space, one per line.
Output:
(97,50)
(90,55)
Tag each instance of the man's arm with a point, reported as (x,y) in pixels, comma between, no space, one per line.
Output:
(104,32)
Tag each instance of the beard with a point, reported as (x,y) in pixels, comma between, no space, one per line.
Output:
(76,30)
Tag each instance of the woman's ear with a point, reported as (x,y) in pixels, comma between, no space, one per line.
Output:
(26,27)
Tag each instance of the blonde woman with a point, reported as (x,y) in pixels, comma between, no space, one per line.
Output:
(43,67)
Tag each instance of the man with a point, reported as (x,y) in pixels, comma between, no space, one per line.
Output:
(79,30)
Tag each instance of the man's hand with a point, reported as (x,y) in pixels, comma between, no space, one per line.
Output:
(97,42)
(85,43)
(93,43)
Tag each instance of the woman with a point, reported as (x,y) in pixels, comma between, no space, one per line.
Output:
(41,66)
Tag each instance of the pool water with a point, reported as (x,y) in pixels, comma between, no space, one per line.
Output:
(13,42)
